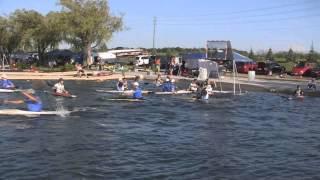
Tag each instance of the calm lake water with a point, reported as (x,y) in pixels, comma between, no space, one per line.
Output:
(254,136)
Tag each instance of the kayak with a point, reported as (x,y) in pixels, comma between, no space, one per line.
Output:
(12,90)
(221,92)
(128,100)
(7,90)
(64,95)
(122,92)
(172,93)
(13,112)
(296,97)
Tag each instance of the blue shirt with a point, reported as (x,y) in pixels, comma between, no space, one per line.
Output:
(167,87)
(34,106)
(137,94)
(6,84)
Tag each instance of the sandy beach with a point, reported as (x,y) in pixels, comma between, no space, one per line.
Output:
(65,75)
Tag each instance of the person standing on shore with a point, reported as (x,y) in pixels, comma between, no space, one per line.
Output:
(157,63)
(80,70)
(171,65)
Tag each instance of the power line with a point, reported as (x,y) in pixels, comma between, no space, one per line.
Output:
(241,22)
(249,16)
(242,11)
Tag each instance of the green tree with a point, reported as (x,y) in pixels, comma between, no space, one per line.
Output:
(10,36)
(269,55)
(39,32)
(88,24)
(251,54)
(290,56)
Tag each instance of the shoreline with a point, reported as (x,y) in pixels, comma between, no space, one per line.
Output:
(260,84)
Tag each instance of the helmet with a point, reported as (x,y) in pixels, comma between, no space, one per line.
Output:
(135,84)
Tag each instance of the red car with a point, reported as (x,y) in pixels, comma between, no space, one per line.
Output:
(245,67)
(303,69)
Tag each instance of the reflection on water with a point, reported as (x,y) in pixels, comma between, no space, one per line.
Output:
(255,136)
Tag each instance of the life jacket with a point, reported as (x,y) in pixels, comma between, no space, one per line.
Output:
(137,94)
(120,86)
(167,87)
(6,84)
(34,106)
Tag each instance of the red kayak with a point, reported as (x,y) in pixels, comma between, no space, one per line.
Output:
(64,95)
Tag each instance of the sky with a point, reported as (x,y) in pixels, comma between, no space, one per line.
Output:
(256,24)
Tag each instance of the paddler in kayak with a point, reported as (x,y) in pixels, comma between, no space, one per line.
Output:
(202,93)
(137,93)
(193,86)
(6,83)
(159,80)
(59,89)
(168,86)
(298,92)
(125,83)
(208,87)
(34,103)
(120,85)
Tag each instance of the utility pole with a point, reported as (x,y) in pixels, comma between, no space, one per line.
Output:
(154,35)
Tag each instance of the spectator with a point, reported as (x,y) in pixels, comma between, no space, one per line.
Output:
(171,65)
(80,70)
(157,63)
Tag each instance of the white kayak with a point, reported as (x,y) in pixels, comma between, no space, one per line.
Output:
(14,112)
(122,92)
(296,98)
(172,93)
(10,90)
(64,95)
(222,92)
(128,100)
(13,90)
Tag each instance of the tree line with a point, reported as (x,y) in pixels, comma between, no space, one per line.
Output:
(285,57)
(281,56)
(83,24)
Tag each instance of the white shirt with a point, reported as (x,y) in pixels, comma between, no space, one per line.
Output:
(205,97)
(209,88)
(120,88)
(193,87)
(59,88)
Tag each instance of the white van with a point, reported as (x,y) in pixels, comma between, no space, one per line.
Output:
(142,60)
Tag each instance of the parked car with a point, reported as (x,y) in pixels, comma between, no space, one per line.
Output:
(245,67)
(142,60)
(315,72)
(303,69)
(266,67)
